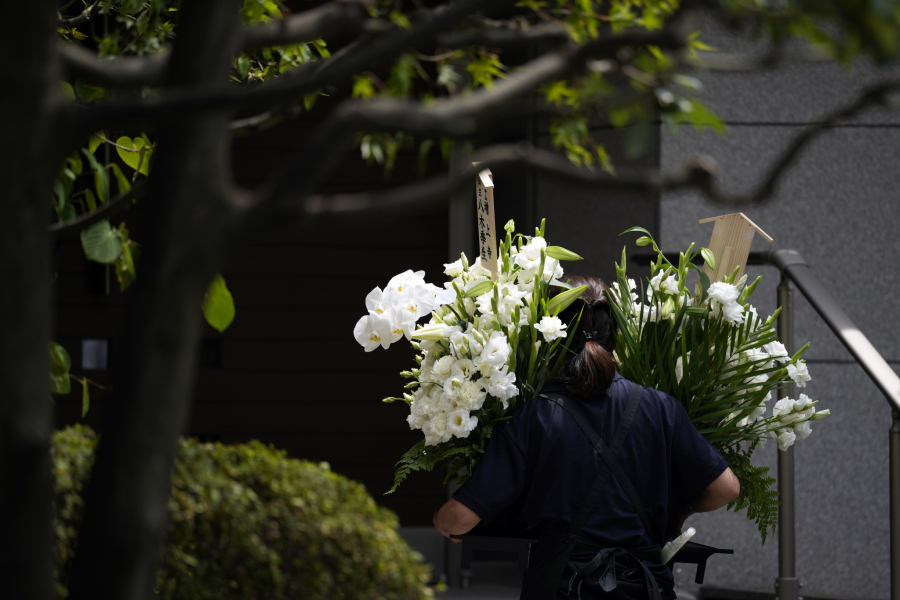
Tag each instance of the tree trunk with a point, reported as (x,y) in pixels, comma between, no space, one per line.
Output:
(126,513)
(26,539)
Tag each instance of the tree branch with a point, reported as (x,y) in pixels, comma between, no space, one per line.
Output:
(698,172)
(334,18)
(871,96)
(331,19)
(366,55)
(507,39)
(78,19)
(112,207)
(459,118)
(129,72)
(500,158)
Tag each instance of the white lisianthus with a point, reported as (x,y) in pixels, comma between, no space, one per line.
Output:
(372,331)
(733,313)
(529,257)
(501,385)
(632,285)
(460,423)
(463,369)
(669,286)
(470,395)
(442,368)
(724,293)
(802,430)
(495,353)
(454,269)
(435,430)
(762,378)
(776,350)
(679,369)
(783,407)
(799,373)
(786,438)
(552,269)
(551,327)
(478,270)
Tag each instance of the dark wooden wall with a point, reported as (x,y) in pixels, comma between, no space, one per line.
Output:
(288,371)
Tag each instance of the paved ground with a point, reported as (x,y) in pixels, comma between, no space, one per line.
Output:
(500,580)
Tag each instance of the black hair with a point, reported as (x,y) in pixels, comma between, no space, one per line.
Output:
(590,360)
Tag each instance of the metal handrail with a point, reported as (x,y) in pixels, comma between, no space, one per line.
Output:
(794,269)
(792,264)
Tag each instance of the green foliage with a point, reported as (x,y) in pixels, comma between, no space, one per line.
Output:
(683,345)
(757,496)
(60,363)
(533,359)
(249,523)
(218,305)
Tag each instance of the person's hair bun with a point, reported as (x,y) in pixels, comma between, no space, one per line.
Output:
(590,360)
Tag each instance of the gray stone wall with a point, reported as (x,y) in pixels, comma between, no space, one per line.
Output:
(839,208)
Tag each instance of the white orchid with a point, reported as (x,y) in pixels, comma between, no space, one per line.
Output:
(372,331)
(375,302)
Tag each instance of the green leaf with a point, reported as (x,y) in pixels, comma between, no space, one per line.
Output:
(243,66)
(218,305)
(94,142)
(125,269)
(121,180)
(563,300)
(85,397)
(68,90)
(638,140)
(90,200)
(89,93)
(132,156)
(560,253)
(60,363)
(479,289)
(708,258)
(101,242)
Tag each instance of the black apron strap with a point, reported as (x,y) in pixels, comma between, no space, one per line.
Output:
(555,547)
(609,455)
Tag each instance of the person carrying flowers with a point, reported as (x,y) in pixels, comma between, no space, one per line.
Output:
(603,469)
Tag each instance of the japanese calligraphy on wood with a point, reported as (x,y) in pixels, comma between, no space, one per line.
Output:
(730,244)
(487,241)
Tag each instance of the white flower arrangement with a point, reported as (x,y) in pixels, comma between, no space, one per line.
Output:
(714,353)
(489,345)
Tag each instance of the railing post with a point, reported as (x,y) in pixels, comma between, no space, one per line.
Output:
(787,586)
(895,505)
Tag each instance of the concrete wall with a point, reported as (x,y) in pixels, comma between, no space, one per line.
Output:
(838,207)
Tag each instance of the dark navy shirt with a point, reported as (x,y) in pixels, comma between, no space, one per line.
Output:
(542,464)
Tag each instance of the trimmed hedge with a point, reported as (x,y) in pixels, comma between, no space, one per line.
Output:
(249,522)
